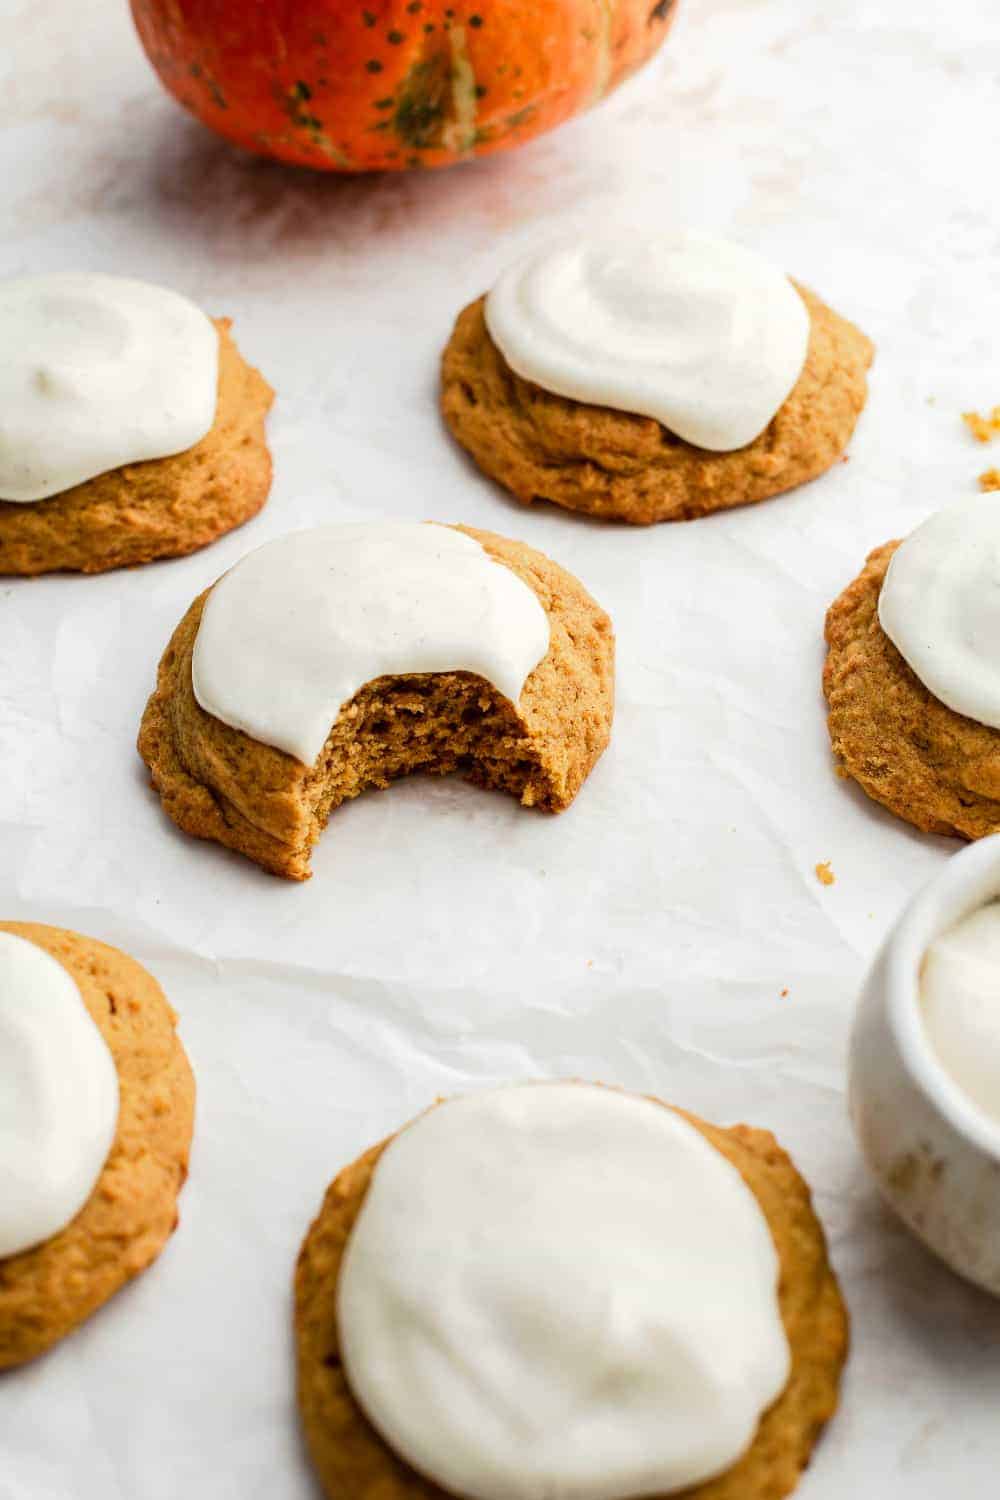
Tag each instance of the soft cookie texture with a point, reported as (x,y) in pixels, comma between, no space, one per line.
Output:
(218,783)
(47,1290)
(354,1463)
(164,507)
(901,744)
(624,467)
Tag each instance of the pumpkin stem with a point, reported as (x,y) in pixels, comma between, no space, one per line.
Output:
(603,62)
(459,134)
(439,103)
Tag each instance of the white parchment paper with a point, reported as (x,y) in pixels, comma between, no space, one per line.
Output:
(669,932)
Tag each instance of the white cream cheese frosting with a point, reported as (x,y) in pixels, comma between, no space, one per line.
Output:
(561,1292)
(292,632)
(58,1097)
(95,372)
(940,606)
(702,335)
(960,1005)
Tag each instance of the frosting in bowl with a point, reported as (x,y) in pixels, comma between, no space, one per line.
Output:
(96,372)
(560,1289)
(702,335)
(298,627)
(940,606)
(960,1006)
(58,1097)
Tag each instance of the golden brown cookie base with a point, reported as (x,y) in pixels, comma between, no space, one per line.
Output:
(904,747)
(218,783)
(624,467)
(45,1292)
(354,1463)
(166,507)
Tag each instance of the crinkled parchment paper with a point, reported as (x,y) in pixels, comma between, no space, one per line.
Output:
(669,933)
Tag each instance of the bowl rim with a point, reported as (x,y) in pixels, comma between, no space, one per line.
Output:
(970,880)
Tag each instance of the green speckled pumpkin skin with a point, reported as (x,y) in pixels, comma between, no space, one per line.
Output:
(393,84)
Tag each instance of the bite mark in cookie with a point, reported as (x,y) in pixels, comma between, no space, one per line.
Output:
(218,782)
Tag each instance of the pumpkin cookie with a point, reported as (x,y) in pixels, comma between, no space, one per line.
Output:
(932,762)
(501,1379)
(569,405)
(426,648)
(107,1100)
(139,437)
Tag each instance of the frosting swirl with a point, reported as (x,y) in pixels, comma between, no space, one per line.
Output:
(96,372)
(58,1097)
(298,627)
(560,1289)
(702,335)
(940,606)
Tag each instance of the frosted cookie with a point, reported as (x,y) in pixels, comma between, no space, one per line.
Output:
(912,676)
(651,380)
(337,660)
(130,426)
(561,1289)
(96,1114)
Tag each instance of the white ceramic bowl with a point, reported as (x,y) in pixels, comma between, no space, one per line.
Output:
(935,1157)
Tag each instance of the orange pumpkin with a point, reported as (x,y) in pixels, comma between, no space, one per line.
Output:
(389,84)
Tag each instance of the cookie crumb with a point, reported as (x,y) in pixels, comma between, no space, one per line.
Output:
(824,874)
(983,429)
(784,994)
(990,479)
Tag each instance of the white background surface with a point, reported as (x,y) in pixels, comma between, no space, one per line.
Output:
(449,938)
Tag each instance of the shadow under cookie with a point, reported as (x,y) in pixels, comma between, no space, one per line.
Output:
(165,507)
(216,782)
(624,467)
(926,763)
